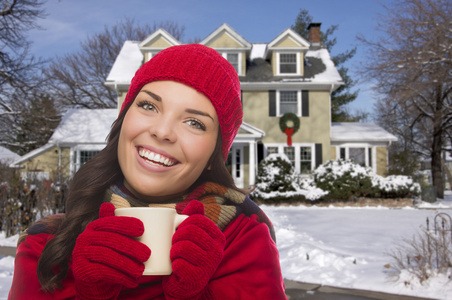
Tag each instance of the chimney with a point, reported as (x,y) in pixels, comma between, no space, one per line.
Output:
(314,34)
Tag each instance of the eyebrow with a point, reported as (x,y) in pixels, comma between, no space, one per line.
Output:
(189,110)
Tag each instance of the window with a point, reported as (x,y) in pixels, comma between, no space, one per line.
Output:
(305,160)
(362,155)
(288,102)
(288,63)
(272,150)
(85,156)
(233,59)
(301,156)
(290,153)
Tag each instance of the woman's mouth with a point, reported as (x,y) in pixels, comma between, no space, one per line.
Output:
(156,158)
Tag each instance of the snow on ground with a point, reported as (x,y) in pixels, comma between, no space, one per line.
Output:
(343,247)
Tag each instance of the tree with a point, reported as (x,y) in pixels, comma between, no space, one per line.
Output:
(343,95)
(410,65)
(18,68)
(77,79)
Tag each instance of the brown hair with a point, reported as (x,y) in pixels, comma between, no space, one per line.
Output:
(86,194)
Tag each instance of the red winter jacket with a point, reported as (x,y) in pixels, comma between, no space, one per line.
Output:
(249,270)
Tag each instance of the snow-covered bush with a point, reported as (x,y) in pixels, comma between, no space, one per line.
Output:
(277,181)
(344,179)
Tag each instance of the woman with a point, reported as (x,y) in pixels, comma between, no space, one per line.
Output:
(167,147)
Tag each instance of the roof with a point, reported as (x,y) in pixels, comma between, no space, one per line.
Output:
(359,132)
(319,67)
(128,61)
(7,155)
(84,126)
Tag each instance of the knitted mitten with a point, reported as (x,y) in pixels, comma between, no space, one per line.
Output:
(106,257)
(196,252)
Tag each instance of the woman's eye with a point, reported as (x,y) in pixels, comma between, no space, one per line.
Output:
(147,105)
(196,124)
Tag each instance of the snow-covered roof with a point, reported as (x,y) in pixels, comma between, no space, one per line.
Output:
(126,64)
(258,51)
(359,132)
(84,126)
(7,155)
(331,73)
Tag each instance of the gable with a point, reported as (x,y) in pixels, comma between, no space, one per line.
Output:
(159,39)
(224,40)
(158,42)
(287,42)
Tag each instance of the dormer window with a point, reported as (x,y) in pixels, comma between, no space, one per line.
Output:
(234,58)
(288,64)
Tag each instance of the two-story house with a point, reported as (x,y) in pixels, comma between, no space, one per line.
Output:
(286,83)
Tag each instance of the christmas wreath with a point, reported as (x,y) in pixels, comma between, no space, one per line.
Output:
(289,124)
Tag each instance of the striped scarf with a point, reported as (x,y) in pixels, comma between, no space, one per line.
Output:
(221,204)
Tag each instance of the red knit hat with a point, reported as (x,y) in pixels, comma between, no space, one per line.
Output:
(205,70)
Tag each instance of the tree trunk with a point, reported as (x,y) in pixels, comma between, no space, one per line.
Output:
(437,143)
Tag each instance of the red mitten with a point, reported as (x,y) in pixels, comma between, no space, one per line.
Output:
(106,257)
(196,252)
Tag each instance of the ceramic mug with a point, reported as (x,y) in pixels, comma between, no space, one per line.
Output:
(160,223)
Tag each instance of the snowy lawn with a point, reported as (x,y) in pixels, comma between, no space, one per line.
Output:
(342,247)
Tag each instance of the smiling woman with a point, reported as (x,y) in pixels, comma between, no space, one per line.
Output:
(167,148)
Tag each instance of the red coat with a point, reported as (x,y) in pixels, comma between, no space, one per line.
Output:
(249,270)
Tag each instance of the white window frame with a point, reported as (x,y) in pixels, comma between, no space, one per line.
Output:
(278,102)
(278,64)
(347,147)
(297,147)
(225,55)
(74,156)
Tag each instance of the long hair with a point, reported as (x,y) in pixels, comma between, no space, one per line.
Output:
(86,194)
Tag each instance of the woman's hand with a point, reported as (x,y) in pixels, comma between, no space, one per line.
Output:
(106,257)
(197,250)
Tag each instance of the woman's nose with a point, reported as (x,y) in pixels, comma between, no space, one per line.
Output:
(163,130)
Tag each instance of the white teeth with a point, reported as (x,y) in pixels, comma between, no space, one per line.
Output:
(156,158)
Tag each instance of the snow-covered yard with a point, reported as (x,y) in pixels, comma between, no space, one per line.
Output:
(342,247)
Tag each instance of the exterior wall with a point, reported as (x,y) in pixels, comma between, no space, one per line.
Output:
(48,162)
(313,129)
(333,153)
(382,161)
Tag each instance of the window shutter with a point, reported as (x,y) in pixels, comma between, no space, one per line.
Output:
(272,103)
(305,103)
(318,155)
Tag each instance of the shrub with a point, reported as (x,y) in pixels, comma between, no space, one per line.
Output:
(23,202)
(426,255)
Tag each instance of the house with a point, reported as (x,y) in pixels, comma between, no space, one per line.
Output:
(286,95)
(7,156)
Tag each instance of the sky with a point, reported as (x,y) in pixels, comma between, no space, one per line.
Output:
(70,22)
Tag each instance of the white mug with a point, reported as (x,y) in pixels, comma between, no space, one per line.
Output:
(160,223)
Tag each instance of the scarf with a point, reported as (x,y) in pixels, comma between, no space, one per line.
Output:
(221,204)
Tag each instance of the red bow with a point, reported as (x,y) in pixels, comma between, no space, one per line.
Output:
(289,132)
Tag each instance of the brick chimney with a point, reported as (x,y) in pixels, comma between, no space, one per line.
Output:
(314,34)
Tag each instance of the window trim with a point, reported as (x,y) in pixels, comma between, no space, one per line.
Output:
(369,161)
(278,64)
(297,147)
(278,102)
(225,55)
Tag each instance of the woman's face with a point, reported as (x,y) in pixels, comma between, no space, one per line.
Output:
(167,137)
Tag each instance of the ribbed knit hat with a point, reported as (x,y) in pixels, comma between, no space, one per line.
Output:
(205,70)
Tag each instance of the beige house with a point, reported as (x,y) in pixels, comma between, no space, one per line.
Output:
(286,83)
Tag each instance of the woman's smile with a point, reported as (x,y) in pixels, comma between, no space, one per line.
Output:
(156,158)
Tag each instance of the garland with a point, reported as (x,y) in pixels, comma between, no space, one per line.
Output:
(289,130)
